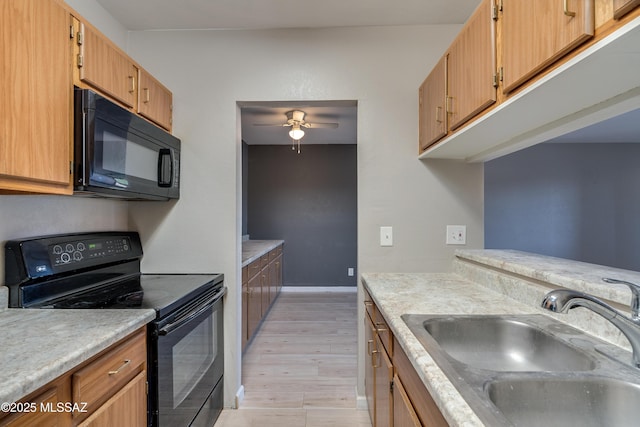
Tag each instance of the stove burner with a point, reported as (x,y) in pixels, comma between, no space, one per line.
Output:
(122,295)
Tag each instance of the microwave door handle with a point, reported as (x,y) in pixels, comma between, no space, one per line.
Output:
(165,167)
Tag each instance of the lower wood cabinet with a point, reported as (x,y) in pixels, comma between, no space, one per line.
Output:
(403,413)
(261,284)
(396,395)
(108,390)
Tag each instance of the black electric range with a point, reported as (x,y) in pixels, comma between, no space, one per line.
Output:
(102,271)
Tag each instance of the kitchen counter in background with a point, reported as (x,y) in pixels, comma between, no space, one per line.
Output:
(254,249)
(39,345)
(489,282)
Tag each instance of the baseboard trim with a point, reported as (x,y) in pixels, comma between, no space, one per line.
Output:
(319,289)
(239,396)
(361,403)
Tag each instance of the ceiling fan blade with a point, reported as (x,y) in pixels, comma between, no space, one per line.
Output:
(272,124)
(322,125)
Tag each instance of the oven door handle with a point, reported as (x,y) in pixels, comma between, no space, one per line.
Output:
(167,329)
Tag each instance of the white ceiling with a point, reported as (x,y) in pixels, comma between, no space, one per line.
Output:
(268,14)
(344,113)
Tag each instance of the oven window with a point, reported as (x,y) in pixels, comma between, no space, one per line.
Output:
(128,158)
(193,355)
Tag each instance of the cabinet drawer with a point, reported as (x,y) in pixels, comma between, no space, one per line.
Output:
(385,334)
(369,305)
(273,254)
(254,268)
(264,260)
(101,378)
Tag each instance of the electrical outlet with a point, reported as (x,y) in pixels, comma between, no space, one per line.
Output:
(350,271)
(456,235)
(386,236)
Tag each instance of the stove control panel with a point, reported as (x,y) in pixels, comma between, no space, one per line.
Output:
(77,251)
(48,256)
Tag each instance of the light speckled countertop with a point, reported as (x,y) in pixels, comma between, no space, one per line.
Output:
(254,249)
(487,282)
(38,345)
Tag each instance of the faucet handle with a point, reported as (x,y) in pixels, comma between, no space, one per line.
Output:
(635,295)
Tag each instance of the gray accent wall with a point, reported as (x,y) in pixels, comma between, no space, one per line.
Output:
(575,201)
(309,200)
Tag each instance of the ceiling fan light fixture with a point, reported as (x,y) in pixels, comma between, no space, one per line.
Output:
(296,133)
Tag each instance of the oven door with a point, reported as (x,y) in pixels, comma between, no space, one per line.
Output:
(186,387)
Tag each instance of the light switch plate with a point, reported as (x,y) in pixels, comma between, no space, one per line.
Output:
(386,236)
(456,235)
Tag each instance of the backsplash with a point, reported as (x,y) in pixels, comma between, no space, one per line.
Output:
(26,216)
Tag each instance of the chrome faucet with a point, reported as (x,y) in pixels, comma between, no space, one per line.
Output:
(563,300)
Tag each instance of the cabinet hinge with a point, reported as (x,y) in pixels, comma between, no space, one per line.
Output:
(71,32)
(495,80)
(500,5)
(494,12)
(501,73)
(80,38)
(80,61)
(391,386)
(70,167)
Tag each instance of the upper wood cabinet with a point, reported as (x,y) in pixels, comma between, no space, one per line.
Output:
(471,67)
(433,113)
(36,107)
(537,33)
(622,7)
(100,65)
(462,84)
(156,101)
(104,66)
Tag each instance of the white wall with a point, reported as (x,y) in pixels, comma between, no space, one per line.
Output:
(381,68)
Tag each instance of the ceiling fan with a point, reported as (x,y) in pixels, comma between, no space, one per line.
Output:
(296,121)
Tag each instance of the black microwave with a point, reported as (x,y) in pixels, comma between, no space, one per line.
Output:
(119,154)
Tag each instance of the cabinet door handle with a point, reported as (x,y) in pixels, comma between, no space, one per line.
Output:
(124,365)
(132,80)
(438,115)
(565,7)
(379,329)
(146,95)
(369,342)
(449,105)
(374,365)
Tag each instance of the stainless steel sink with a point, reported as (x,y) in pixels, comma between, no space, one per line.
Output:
(567,401)
(502,344)
(532,370)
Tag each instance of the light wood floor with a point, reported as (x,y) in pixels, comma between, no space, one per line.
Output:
(300,370)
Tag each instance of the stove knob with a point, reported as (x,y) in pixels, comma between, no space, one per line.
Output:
(77,256)
(81,247)
(65,257)
(69,248)
(57,249)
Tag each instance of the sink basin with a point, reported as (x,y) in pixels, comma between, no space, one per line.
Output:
(503,344)
(580,402)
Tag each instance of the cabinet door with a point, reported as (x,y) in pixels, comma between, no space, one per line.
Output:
(156,101)
(403,413)
(266,298)
(369,332)
(471,68)
(106,68)
(254,304)
(46,401)
(245,313)
(128,407)
(36,94)
(537,33)
(383,373)
(432,114)
(278,274)
(622,7)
